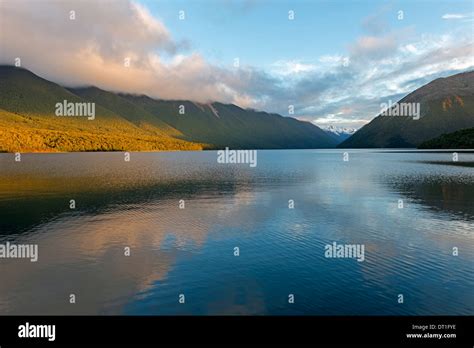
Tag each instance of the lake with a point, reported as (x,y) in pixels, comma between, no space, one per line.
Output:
(237,240)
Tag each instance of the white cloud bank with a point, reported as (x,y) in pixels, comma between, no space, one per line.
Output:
(92,50)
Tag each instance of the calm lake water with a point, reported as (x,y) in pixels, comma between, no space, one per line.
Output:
(190,251)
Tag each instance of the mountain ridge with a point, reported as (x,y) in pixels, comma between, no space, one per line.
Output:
(136,122)
(446,105)
(461,139)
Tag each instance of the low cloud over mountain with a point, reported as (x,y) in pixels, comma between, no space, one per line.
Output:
(350,79)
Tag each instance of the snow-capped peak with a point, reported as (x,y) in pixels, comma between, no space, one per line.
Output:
(339,130)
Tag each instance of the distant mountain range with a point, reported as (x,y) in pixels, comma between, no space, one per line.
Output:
(136,123)
(446,105)
(125,122)
(339,133)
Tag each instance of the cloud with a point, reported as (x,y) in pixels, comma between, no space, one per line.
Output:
(350,95)
(374,47)
(291,67)
(339,118)
(455,16)
(93,48)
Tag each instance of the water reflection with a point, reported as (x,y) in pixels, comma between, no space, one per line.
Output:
(190,250)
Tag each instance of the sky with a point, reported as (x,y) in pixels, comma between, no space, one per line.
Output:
(326,62)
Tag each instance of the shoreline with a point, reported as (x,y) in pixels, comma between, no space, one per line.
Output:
(377,150)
